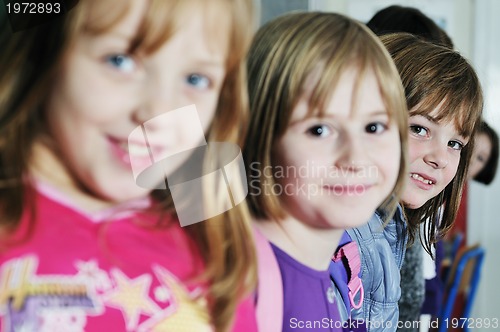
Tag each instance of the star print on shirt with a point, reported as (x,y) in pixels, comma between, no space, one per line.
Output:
(185,313)
(93,276)
(131,296)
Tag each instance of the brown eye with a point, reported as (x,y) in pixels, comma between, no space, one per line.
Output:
(318,131)
(376,128)
(455,145)
(419,130)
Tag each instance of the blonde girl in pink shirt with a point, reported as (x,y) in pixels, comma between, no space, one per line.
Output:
(83,247)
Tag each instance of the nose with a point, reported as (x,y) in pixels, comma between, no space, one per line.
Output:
(437,156)
(353,155)
(157,97)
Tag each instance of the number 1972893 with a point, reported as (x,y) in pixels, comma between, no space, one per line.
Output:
(33,8)
(472,323)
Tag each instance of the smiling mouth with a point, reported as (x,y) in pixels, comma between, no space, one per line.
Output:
(421,179)
(135,150)
(135,154)
(357,189)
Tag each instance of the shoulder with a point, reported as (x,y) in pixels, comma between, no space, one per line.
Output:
(368,232)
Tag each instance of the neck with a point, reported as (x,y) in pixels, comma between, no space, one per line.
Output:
(313,247)
(48,168)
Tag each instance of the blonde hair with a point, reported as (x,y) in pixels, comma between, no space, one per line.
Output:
(29,63)
(283,56)
(435,76)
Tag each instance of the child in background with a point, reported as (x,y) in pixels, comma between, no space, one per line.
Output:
(408,19)
(484,162)
(483,168)
(82,246)
(444,99)
(324,149)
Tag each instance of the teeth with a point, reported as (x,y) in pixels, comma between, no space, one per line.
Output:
(135,149)
(421,179)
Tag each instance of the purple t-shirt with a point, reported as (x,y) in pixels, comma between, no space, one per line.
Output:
(311,300)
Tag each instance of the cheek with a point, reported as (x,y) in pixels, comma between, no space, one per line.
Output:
(389,155)
(206,114)
(104,106)
(84,90)
(414,150)
(71,117)
(451,170)
(294,168)
(390,161)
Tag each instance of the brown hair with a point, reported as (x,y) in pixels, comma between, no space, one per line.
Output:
(489,170)
(284,55)
(433,76)
(29,62)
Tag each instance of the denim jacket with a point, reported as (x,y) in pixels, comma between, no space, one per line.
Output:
(382,252)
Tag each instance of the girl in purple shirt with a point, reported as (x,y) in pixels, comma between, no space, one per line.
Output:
(323,151)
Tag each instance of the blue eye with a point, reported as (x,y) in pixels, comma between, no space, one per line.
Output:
(198,81)
(376,128)
(122,62)
(319,131)
(419,130)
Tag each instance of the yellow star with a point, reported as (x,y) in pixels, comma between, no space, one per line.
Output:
(185,313)
(131,297)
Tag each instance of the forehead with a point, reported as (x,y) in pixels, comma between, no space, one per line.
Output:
(148,25)
(442,113)
(354,92)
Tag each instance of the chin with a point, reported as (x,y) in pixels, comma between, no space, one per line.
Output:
(136,193)
(359,220)
(119,194)
(413,205)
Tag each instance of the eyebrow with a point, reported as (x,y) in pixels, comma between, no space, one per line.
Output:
(324,116)
(379,112)
(121,35)
(430,118)
(210,62)
(461,133)
(118,36)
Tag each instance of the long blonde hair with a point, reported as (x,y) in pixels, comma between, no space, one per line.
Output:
(283,55)
(29,63)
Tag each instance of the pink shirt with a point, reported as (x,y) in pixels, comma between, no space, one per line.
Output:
(113,271)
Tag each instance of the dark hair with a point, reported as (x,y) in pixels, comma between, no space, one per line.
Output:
(407,19)
(487,174)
